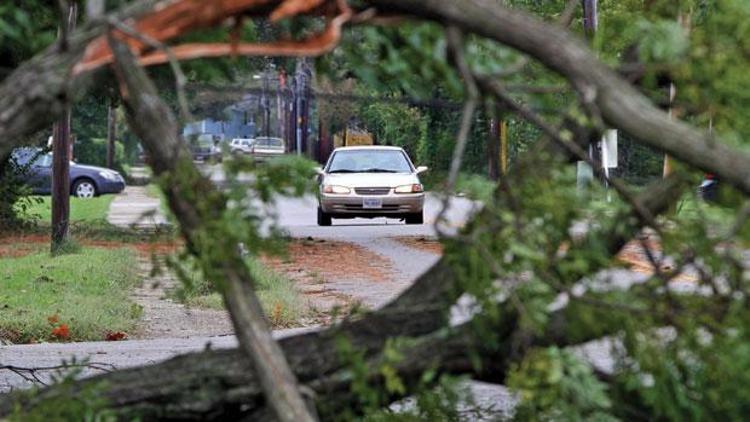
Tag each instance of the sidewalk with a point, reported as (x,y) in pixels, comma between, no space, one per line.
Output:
(134,208)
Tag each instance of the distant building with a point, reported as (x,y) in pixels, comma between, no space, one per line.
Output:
(238,126)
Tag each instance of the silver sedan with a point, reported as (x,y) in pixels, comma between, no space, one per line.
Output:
(370,181)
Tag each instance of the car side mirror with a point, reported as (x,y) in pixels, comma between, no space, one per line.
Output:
(319,170)
(422,169)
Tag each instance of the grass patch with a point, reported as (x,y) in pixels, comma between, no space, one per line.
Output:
(81,209)
(277,293)
(87,292)
(474,186)
(83,231)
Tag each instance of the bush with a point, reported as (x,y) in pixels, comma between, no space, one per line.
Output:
(14,194)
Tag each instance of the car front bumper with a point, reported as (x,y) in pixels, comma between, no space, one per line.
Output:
(352,205)
(109,186)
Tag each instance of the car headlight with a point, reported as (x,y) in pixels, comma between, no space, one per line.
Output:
(341,190)
(109,175)
(415,188)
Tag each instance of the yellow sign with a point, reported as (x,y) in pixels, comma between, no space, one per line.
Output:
(352,138)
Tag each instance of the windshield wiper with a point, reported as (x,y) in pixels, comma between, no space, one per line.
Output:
(377,170)
(343,171)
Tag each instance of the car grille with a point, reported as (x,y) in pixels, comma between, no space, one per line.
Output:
(359,208)
(372,191)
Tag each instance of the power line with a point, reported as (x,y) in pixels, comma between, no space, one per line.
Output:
(286,93)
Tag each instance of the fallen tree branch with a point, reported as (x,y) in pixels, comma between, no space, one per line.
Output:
(152,121)
(32,374)
(620,104)
(228,388)
(315,45)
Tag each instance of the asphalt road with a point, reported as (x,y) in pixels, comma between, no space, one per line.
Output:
(298,217)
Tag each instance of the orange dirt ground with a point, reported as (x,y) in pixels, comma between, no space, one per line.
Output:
(17,245)
(422,243)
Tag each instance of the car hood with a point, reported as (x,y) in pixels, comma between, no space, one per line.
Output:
(86,168)
(354,180)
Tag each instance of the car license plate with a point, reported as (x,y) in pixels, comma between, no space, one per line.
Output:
(372,203)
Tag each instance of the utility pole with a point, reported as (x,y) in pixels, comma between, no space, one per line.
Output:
(302,78)
(590,24)
(280,80)
(497,147)
(305,110)
(503,146)
(684,21)
(265,102)
(111,131)
(61,151)
(590,18)
(493,155)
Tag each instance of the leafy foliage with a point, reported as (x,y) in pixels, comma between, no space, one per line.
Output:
(557,385)
(15,202)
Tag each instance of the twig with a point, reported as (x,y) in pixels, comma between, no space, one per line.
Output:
(64,23)
(739,221)
(454,39)
(179,75)
(566,17)
(514,68)
(32,374)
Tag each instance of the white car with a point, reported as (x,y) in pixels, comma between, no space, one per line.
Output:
(241,145)
(370,181)
(265,148)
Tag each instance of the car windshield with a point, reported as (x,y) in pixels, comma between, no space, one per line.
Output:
(44,160)
(369,161)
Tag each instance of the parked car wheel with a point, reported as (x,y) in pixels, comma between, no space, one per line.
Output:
(324,219)
(416,218)
(84,188)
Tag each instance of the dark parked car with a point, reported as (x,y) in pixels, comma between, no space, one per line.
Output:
(205,148)
(85,181)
